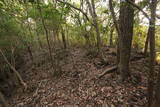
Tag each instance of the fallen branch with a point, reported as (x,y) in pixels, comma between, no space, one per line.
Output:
(14,70)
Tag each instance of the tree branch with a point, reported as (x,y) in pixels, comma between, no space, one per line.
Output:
(114,17)
(139,8)
(75,8)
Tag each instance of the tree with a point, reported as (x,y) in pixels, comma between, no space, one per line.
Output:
(46,33)
(92,10)
(151,32)
(126,19)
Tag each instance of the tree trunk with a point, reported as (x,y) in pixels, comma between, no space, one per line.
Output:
(30,52)
(156,102)
(111,37)
(95,23)
(117,29)
(125,39)
(47,35)
(96,27)
(151,32)
(64,39)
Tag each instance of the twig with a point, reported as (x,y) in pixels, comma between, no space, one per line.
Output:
(36,92)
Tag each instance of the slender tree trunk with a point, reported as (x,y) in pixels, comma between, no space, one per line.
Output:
(47,35)
(13,56)
(116,24)
(125,39)
(30,52)
(146,45)
(96,26)
(64,39)
(156,102)
(151,33)
(111,37)
(91,7)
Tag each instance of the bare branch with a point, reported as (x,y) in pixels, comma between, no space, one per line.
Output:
(139,8)
(75,8)
(114,17)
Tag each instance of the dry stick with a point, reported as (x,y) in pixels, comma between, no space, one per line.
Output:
(14,70)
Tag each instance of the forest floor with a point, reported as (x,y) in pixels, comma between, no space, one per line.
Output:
(78,86)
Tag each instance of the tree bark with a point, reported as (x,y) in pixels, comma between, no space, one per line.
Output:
(151,32)
(125,38)
(64,39)
(156,102)
(111,37)
(91,7)
(30,52)
(117,29)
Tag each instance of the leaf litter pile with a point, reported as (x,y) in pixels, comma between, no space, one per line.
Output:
(79,85)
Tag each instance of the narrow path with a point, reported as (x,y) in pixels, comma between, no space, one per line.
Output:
(78,87)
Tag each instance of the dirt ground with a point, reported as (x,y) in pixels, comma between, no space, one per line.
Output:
(78,86)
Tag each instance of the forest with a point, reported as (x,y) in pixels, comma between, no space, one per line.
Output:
(79,53)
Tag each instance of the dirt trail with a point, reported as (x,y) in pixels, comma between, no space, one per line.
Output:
(79,87)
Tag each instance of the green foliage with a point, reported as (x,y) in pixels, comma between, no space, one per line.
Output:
(139,37)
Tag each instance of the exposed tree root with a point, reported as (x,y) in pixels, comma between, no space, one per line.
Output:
(108,70)
(114,68)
